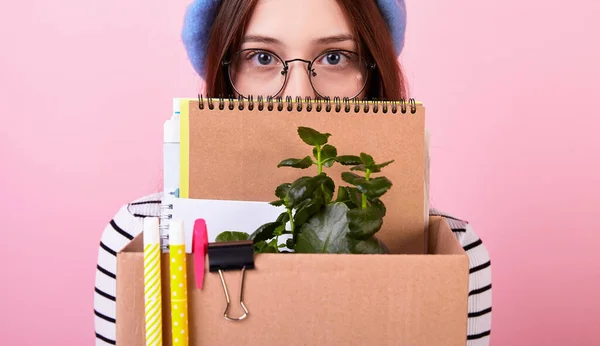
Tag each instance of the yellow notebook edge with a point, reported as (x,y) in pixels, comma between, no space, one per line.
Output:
(184,147)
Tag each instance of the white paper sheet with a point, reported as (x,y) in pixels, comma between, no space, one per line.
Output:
(222,215)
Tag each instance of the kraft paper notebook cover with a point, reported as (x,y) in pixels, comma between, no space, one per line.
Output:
(230,151)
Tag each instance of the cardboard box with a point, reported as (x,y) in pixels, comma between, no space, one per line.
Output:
(316,299)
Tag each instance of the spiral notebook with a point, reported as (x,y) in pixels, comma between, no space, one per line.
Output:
(230,149)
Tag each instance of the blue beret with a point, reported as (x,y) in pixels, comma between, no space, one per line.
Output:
(200,14)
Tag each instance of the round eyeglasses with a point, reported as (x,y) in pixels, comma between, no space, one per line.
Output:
(334,73)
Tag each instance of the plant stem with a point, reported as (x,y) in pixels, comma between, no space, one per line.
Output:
(319,163)
(364,197)
(289,211)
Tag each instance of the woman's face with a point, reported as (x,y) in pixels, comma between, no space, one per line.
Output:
(312,30)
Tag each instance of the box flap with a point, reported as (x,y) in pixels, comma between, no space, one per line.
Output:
(441,239)
(135,245)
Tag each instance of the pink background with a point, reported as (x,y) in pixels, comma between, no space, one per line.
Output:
(86,85)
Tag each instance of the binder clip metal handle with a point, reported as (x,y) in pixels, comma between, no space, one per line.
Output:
(234,255)
(227,317)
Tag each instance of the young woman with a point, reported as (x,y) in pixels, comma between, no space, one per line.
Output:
(280,48)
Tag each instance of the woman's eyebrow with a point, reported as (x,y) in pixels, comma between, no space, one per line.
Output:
(261,39)
(334,39)
(318,41)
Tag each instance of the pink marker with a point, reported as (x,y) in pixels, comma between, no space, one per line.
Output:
(199,249)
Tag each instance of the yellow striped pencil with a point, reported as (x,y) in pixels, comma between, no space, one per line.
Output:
(178,273)
(152,282)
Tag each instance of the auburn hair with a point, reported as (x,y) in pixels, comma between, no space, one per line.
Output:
(365,19)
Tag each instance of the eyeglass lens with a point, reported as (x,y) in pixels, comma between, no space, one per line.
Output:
(334,73)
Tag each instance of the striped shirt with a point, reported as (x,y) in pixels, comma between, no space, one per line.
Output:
(128,221)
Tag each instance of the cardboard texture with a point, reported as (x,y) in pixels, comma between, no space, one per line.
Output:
(316,299)
(233,155)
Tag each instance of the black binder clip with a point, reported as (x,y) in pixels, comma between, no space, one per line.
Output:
(233,255)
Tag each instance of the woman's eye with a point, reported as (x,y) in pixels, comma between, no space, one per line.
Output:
(333,58)
(264,58)
(261,58)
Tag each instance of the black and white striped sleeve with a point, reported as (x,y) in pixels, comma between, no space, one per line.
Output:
(480,283)
(125,225)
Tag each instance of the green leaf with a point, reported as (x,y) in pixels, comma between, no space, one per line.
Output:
(381,165)
(360,168)
(301,189)
(363,223)
(282,190)
(283,218)
(270,248)
(296,163)
(290,243)
(328,151)
(276,203)
(375,187)
(378,204)
(367,160)
(260,246)
(302,204)
(265,232)
(279,230)
(327,186)
(370,246)
(307,211)
(355,196)
(328,155)
(329,162)
(342,195)
(274,244)
(348,160)
(312,137)
(352,178)
(232,236)
(325,232)
(374,169)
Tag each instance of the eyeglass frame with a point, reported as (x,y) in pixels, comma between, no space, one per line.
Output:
(227,63)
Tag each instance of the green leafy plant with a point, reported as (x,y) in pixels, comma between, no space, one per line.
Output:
(318,223)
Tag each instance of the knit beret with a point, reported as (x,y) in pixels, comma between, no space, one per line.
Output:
(200,14)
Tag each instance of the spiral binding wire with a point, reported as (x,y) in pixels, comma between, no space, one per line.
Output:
(338,105)
(165,217)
